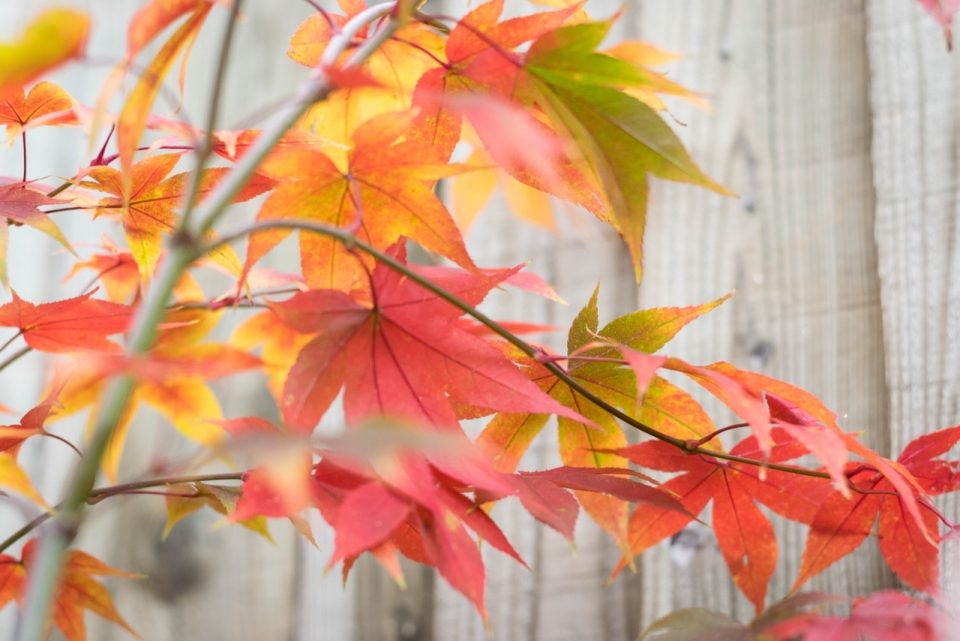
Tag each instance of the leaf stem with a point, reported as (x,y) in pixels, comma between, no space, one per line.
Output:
(25,530)
(712,435)
(56,437)
(23,139)
(15,357)
(10,340)
(119,490)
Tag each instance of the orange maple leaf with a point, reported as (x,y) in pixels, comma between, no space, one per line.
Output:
(46,104)
(78,590)
(385,191)
(146,209)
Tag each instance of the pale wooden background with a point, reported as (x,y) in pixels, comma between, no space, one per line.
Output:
(836,122)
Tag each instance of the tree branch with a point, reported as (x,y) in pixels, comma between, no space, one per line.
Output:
(183,252)
(350,241)
(118,490)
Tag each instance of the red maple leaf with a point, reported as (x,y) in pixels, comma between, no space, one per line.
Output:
(401,355)
(883,616)
(76,324)
(32,424)
(842,524)
(745,535)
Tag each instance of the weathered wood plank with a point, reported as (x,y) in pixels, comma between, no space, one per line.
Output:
(914,98)
(791,134)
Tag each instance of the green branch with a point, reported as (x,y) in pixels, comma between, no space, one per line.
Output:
(56,540)
(206,146)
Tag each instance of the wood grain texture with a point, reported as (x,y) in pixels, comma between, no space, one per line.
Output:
(914,101)
(791,134)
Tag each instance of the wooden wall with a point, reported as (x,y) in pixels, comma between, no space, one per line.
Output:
(834,120)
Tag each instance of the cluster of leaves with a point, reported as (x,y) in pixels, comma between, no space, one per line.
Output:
(394,91)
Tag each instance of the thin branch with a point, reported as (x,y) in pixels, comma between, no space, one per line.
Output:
(64,441)
(13,358)
(183,252)
(170,480)
(206,146)
(96,499)
(119,490)
(56,192)
(23,139)
(350,241)
(25,530)
(553,358)
(712,435)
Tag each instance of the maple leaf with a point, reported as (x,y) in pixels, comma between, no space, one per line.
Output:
(115,269)
(281,345)
(53,38)
(884,616)
(384,191)
(395,67)
(185,499)
(46,104)
(73,325)
(146,208)
(411,500)
(519,142)
(745,536)
(280,483)
(151,19)
(19,205)
(77,591)
(507,437)
(404,356)
(12,477)
(908,547)
(643,56)
(471,190)
(549,503)
(171,378)
(622,138)
(31,424)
